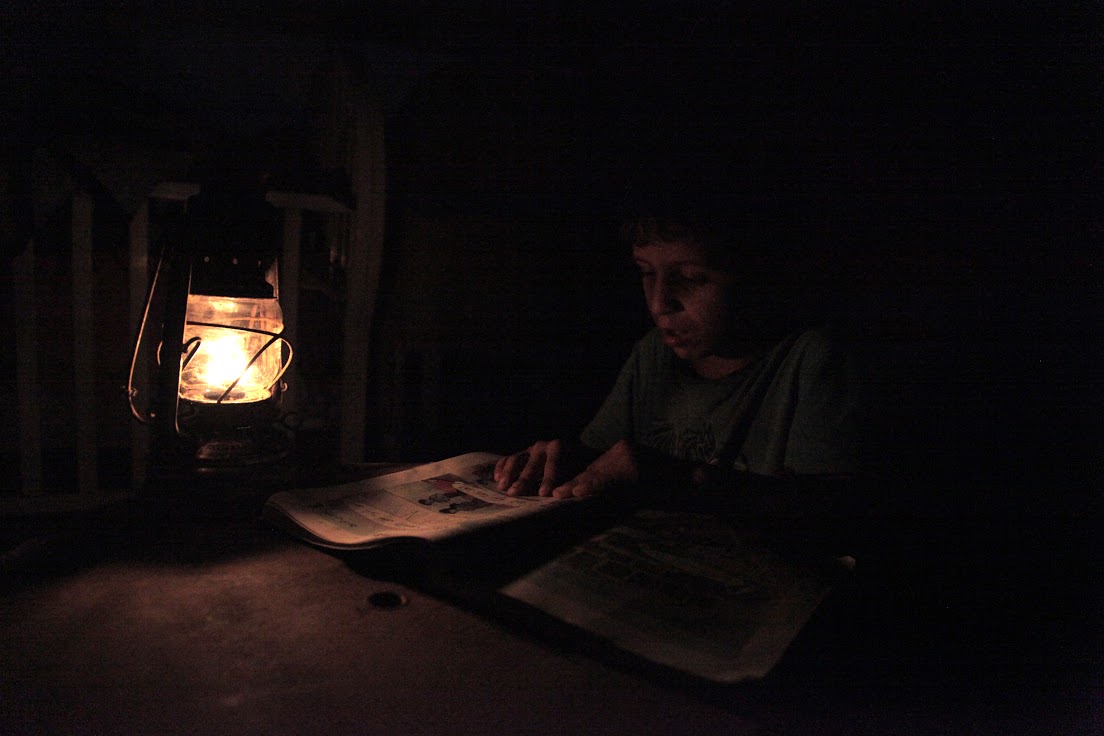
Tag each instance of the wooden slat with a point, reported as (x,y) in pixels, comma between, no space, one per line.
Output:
(304,201)
(368,167)
(26,371)
(60,503)
(431,384)
(84,347)
(395,409)
(174,191)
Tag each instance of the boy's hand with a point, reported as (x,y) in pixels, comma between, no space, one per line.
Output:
(617,467)
(541,470)
(535,470)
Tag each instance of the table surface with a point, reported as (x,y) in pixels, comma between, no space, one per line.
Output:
(225,625)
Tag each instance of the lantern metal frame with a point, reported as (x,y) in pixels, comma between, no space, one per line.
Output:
(203,436)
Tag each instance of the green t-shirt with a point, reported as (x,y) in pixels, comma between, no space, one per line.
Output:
(792,410)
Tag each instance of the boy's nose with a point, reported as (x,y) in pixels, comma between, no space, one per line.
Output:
(662,300)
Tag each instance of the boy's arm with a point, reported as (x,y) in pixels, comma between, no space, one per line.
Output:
(823,509)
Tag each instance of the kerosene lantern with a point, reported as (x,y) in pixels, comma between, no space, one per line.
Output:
(220,356)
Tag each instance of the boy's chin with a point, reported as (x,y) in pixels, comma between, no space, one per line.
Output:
(689,354)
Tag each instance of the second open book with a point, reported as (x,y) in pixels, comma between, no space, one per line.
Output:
(684,590)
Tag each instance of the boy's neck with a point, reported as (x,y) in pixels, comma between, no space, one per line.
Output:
(716,366)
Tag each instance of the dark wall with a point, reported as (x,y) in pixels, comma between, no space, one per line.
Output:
(935,164)
(940,165)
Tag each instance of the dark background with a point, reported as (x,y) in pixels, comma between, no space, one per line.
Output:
(941,165)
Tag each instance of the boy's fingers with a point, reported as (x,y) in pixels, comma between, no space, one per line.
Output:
(524,480)
(583,484)
(551,468)
(508,474)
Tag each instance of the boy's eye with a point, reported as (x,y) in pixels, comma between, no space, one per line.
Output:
(694,277)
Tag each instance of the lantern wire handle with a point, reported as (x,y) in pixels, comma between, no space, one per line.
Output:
(267,345)
(131,391)
(192,347)
(274,337)
(195,343)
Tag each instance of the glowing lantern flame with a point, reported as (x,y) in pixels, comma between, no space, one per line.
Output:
(232,349)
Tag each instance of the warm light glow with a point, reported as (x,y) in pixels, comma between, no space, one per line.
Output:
(225,335)
(227,360)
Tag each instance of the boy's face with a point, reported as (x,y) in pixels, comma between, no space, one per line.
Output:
(688,297)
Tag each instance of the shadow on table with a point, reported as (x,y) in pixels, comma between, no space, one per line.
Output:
(947,622)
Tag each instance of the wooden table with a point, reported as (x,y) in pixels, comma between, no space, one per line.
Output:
(231,628)
(138,623)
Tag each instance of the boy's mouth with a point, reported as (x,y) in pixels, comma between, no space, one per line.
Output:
(674,338)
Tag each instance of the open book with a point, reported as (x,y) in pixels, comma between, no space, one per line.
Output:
(684,590)
(431,502)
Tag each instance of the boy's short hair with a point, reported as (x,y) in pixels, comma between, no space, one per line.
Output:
(725,215)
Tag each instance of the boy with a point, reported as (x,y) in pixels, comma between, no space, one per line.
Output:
(715,398)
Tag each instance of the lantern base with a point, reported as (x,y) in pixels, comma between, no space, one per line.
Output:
(224,474)
(242,447)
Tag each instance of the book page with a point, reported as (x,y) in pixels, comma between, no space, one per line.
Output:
(429,502)
(683,590)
